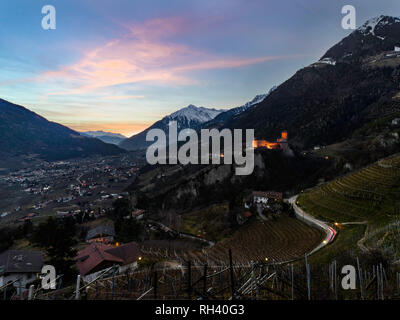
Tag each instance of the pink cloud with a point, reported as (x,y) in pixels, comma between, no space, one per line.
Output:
(142,55)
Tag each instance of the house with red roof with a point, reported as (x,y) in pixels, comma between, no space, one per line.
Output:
(97,257)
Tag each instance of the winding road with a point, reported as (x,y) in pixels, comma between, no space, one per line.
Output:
(330,232)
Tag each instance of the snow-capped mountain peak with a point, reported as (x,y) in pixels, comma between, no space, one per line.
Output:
(371,25)
(101,133)
(194,115)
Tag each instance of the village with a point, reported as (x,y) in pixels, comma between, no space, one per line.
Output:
(101,254)
(65,188)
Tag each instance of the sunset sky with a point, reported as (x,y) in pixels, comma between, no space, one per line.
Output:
(121,65)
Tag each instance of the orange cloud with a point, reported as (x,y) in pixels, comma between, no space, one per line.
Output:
(126,128)
(122,97)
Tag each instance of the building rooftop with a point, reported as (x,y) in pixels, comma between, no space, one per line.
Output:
(21,261)
(268,194)
(100,231)
(95,255)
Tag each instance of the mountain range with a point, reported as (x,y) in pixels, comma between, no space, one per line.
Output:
(351,93)
(107,137)
(191,117)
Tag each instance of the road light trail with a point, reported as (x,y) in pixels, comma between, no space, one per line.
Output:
(330,232)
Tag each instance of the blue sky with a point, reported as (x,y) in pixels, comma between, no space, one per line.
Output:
(121,65)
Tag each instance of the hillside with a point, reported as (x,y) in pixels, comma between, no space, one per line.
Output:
(24,132)
(223,117)
(329,100)
(368,196)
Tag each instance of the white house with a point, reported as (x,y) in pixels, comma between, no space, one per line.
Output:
(263,196)
(397,49)
(396,122)
(21,266)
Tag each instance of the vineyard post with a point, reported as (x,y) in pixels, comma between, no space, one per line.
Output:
(360,279)
(377,283)
(365,278)
(78,282)
(292,283)
(20,289)
(190,280)
(113,279)
(331,276)
(59,286)
(258,287)
(31,287)
(231,273)
(381,276)
(308,278)
(205,281)
(398,282)
(173,288)
(155,284)
(335,279)
(253,275)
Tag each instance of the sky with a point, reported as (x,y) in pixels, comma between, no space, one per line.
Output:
(122,65)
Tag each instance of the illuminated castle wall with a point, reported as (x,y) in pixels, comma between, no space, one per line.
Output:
(280,143)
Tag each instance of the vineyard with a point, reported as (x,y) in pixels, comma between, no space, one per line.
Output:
(263,280)
(368,196)
(282,239)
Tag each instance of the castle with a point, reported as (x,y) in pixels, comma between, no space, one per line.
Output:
(280,143)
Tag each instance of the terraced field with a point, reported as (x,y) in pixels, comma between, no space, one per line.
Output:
(278,240)
(371,194)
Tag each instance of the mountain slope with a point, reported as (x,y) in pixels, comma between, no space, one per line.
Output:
(107,137)
(189,117)
(368,195)
(328,100)
(220,119)
(24,132)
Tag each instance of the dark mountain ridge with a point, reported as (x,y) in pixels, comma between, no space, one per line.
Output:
(24,132)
